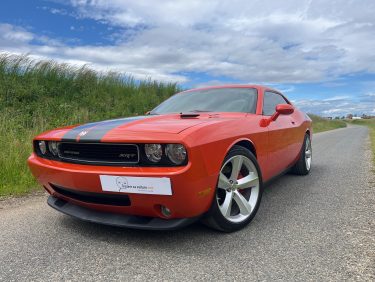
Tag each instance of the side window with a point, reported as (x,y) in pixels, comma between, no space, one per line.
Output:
(270,101)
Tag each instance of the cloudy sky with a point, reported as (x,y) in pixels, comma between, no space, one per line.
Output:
(319,53)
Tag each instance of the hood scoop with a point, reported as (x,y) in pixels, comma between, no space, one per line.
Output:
(189,115)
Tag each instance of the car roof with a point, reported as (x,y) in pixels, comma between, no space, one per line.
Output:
(256,86)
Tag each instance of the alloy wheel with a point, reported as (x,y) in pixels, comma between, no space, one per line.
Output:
(308,153)
(238,188)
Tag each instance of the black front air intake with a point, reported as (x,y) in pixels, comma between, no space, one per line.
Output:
(93,198)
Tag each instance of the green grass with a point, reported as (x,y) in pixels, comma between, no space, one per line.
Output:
(39,95)
(371,124)
(321,124)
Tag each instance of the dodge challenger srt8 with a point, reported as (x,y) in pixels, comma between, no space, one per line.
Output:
(201,154)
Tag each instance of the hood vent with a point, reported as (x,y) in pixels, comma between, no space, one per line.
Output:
(189,115)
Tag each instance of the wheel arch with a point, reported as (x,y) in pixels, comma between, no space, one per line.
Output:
(308,132)
(246,143)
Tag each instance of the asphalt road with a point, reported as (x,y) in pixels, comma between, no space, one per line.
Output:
(317,227)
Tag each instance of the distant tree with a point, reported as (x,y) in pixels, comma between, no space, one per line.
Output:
(337,117)
(343,117)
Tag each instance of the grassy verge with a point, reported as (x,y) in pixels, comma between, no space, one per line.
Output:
(371,124)
(39,95)
(321,124)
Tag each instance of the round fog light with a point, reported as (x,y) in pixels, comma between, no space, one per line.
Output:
(165,211)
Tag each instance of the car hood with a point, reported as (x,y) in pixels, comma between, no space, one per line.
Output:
(142,125)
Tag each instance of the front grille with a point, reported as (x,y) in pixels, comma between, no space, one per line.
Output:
(99,153)
(93,198)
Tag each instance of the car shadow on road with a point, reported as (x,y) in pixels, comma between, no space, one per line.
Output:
(283,194)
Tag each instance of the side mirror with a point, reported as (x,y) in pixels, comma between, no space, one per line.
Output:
(282,109)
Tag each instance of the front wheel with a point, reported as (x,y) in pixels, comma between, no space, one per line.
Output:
(238,192)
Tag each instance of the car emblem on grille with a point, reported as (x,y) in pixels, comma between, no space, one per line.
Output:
(71,152)
(127,156)
(83,133)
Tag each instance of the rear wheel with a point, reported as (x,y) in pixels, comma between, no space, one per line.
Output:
(238,192)
(303,165)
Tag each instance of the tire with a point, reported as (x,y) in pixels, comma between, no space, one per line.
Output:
(303,165)
(238,192)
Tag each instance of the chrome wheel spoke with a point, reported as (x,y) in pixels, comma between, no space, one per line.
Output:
(236,167)
(243,204)
(248,181)
(226,207)
(223,181)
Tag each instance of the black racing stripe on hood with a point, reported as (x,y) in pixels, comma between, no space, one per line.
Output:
(96,130)
(72,134)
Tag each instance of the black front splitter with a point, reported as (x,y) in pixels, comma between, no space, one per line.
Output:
(119,220)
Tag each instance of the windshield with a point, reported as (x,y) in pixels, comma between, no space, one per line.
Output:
(210,100)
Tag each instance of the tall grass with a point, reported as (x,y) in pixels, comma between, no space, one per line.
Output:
(321,124)
(39,95)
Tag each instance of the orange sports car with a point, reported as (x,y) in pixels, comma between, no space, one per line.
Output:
(203,154)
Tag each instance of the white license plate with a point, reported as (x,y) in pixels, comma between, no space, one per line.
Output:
(136,185)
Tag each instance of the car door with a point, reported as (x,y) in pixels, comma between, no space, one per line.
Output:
(280,138)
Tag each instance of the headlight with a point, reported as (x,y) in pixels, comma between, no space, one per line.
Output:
(42,147)
(176,153)
(154,152)
(53,147)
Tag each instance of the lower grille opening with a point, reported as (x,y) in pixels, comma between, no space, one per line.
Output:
(93,198)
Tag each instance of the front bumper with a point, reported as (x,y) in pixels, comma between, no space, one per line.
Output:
(192,188)
(119,220)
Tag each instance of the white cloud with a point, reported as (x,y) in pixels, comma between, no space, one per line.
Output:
(337,98)
(247,40)
(263,41)
(209,83)
(338,106)
(10,35)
